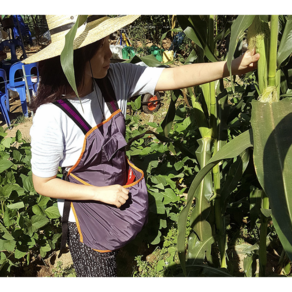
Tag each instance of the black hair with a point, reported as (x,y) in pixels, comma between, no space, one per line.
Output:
(53,82)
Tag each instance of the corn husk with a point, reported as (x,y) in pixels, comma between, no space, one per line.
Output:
(270,95)
(258,38)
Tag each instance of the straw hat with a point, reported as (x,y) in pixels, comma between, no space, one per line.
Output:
(96,28)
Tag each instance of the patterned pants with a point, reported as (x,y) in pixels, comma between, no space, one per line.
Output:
(87,262)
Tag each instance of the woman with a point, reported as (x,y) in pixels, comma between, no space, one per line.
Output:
(85,137)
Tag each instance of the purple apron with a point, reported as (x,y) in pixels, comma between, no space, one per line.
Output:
(103,162)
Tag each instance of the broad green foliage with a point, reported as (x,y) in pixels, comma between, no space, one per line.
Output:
(267,134)
(166,173)
(29,223)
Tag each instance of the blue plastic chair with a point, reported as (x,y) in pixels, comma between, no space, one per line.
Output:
(4,98)
(16,83)
(32,86)
(11,44)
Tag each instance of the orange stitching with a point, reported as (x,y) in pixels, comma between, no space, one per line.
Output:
(80,180)
(77,222)
(101,250)
(87,134)
(124,186)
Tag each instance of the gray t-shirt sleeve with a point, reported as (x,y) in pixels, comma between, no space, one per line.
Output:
(132,80)
(135,79)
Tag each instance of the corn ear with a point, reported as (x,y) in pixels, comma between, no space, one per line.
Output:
(258,39)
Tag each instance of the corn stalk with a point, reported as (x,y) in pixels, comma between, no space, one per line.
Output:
(271,121)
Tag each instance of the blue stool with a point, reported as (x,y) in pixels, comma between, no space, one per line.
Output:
(4,98)
(16,73)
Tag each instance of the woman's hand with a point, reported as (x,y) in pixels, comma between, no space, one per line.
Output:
(60,189)
(245,63)
(112,195)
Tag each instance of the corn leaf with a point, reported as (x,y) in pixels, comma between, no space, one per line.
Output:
(196,30)
(203,192)
(232,149)
(273,160)
(285,48)
(67,53)
(241,23)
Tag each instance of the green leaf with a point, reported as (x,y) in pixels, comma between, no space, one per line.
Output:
(159,186)
(241,23)
(168,120)
(16,206)
(247,266)
(163,223)
(27,182)
(196,29)
(285,48)
(157,238)
(160,265)
(137,102)
(6,142)
(44,250)
(37,210)
(52,212)
(67,53)
(8,220)
(6,234)
(149,60)
(7,245)
(230,150)
(198,250)
(178,165)
(18,136)
(169,196)
(271,124)
(19,254)
(160,209)
(35,223)
(204,192)
(191,58)
(234,175)
(255,206)
(266,212)
(16,155)
(5,164)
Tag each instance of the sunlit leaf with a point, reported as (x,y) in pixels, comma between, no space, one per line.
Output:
(273,159)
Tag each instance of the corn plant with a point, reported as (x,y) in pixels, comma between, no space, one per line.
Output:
(268,136)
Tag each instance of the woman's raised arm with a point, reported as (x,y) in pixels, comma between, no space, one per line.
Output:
(200,73)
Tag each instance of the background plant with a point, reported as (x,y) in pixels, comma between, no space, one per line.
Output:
(238,146)
(29,223)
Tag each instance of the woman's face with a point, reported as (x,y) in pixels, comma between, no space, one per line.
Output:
(101,60)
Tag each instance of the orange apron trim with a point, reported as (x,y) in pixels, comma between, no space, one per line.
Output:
(125,186)
(79,229)
(77,222)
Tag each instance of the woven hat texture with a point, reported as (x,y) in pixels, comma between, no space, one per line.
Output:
(96,28)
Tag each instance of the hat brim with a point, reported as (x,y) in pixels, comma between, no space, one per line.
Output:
(89,35)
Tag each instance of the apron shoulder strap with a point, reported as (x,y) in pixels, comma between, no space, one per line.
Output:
(69,109)
(108,93)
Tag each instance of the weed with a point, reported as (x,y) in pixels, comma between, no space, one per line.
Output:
(60,271)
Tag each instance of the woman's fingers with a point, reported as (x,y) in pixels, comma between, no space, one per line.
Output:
(113,195)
